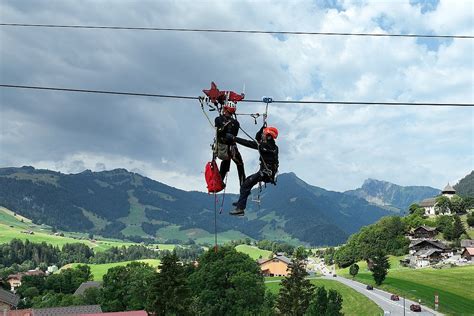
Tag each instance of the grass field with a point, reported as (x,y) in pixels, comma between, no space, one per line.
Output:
(99,270)
(454,286)
(11,227)
(353,302)
(253,252)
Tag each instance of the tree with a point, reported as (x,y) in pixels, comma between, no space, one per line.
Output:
(169,292)
(295,291)
(123,287)
(319,304)
(354,269)
(227,282)
(326,303)
(442,205)
(414,207)
(457,205)
(334,303)
(470,219)
(380,267)
(458,228)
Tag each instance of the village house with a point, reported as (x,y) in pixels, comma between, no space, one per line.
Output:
(430,204)
(468,254)
(424,232)
(87,285)
(467,243)
(424,253)
(276,266)
(8,301)
(15,279)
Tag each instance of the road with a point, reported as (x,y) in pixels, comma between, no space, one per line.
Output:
(382,299)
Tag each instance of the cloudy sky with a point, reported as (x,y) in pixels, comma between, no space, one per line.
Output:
(331,146)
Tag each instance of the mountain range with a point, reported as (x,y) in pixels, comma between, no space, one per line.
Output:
(123,204)
(392,196)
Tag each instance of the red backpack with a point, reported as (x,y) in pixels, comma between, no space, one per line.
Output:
(213,178)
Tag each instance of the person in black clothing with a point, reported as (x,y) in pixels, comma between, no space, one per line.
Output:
(227,149)
(268,150)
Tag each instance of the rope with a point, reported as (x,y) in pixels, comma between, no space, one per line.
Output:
(223,195)
(216,200)
(250,101)
(233,31)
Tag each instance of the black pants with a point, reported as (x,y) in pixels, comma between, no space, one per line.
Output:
(237,158)
(247,186)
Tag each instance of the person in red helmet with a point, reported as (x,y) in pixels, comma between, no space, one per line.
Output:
(268,150)
(224,149)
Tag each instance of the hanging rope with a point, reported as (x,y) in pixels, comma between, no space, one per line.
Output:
(216,200)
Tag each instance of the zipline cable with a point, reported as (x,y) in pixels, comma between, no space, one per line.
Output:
(153,95)
(234,31)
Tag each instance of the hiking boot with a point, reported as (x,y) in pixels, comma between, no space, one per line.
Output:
(237,212)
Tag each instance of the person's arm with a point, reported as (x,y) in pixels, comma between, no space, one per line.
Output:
(258,136)
(247,143)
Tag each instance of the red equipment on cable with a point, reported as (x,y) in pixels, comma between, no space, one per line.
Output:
(217,96)
(213,178)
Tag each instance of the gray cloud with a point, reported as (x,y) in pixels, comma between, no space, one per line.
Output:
(332,146)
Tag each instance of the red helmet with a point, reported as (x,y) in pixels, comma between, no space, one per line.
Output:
(230,106)
(272,131)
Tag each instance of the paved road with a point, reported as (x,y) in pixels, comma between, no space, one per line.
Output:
(382,299)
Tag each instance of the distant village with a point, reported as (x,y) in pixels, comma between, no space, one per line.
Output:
(426,250)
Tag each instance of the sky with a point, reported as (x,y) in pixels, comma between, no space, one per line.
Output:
(335,147)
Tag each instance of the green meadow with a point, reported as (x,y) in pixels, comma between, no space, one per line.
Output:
(99,270)
(11,226)
(254,252)
(353,303)
(454,286)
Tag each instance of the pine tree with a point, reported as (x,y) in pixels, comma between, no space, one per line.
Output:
(169,293)
(380,267)
(296,291)
(334,303)
(458,227)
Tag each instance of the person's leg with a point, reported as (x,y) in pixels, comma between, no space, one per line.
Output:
(225,166)
(245,192)
(239,162)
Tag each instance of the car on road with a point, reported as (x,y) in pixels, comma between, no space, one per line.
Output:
(415,308)
(334,275)
(394,297)
(369,287)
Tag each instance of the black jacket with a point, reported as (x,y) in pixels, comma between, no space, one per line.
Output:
(226,125)
(268,151)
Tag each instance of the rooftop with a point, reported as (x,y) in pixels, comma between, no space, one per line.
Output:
(448,189)
(87,285)
(9,298)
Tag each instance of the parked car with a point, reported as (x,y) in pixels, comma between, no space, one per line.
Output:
(415,308)
(394,297)
(369,287)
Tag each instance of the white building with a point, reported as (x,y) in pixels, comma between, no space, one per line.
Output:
(430,204)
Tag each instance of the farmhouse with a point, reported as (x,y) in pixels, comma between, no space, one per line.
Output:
(276,266)
(468,254)
(8,300)
(15,279)
(425,252)
(86,285)
(467,243)
(424,232)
